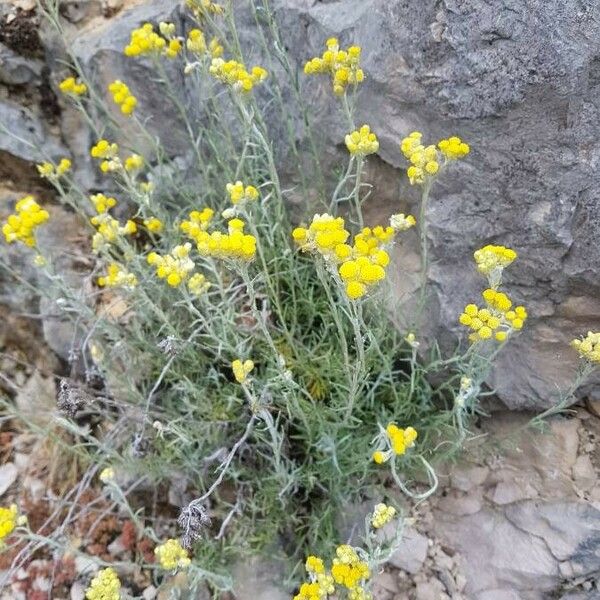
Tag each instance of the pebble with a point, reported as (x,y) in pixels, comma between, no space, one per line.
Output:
(8,475)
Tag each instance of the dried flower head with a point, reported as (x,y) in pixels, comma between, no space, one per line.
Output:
(192,520)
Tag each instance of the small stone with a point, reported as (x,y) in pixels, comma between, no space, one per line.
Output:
(149,593)
(467,479)
(8,475)
(85,565)
(387,581)
(507,492)
(412,551)
(116,548)
(77,591)
(430,590)
(584,472)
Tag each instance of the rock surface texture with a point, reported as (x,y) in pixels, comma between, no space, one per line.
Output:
(518,80)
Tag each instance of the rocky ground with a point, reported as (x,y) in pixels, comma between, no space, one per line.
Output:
(517,517)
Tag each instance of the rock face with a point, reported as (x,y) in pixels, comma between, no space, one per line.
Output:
(518,81)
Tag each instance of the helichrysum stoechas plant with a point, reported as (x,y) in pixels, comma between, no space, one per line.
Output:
(248,352)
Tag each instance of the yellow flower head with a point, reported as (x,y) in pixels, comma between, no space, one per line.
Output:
(235,75)
(145,40)
(239,194)
(347,569)
(362,142)
(491,258)
(197,284)
(315,565)
(175,267)
(171,555)
(8,521)
(72,87)
(425,160)
(196,42)
(49,171)
(102,203)
(203,8)
(400,222)
(497,320)
(107,475)
(117,276)
(21,225)
(108,229)
(123,97)
(400,440)
(105,586)
(382,514)
(134,162)
(241,370)
(588,348)
(342,66)
(234,245)
(453,148)
(154,225)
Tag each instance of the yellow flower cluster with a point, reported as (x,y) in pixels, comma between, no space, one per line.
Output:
(123,97)
(362,265)
(241,370)
(145,40)
(196,43)
(326,235)
(134,162)
(493,258)
(21,225)
(72,87)
(347,569)
(588,347)
(117,276)
(197,284)
(234,74)
(108,230)
(453,148)
(362,142)
(239,194)
(382,514)
(398,441)
(105,586)
(402,222)
(198,222)
(201,8)
(107,152)
(102,203)
(234,245)
(171,555)
(498,319)
(174,267)
(50,171)
(107,475)
(425,160)
(153,224)
(342,65)
(8,521)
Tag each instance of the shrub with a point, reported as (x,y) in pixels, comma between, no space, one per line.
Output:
(254,356)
